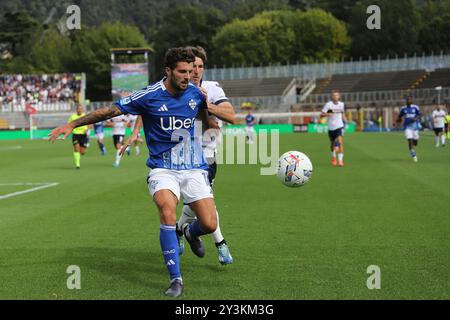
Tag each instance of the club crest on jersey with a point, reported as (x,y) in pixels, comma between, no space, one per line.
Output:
(125,100)
(192,104)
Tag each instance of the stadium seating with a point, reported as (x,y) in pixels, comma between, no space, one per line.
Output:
(38,91)
(257,87)
(439,77)
(375,81)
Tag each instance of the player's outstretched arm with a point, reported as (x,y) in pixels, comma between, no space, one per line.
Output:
(134,136)
(91,118)
(224,111)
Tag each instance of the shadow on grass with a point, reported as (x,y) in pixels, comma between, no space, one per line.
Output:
(142,267)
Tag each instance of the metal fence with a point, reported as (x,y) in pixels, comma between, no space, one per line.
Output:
(324,70)
(393,97)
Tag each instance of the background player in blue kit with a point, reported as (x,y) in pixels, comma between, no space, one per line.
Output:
(99,130)
(250,122)
(411,115)
(169,109)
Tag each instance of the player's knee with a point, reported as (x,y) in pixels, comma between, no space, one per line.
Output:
(168,215)
(210,226)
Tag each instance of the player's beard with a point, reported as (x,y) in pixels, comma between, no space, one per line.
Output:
(177,85)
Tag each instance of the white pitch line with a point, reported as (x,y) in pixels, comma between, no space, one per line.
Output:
(40,187)
(11,148)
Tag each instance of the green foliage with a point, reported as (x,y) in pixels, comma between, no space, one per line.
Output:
(400,26)
(435,34)
(185,25)
(90,53)
(16,31)
(282,36)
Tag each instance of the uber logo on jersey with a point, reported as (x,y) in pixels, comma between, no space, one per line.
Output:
(173,123)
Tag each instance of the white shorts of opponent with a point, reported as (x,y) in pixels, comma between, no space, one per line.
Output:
(412,134)
(193,185)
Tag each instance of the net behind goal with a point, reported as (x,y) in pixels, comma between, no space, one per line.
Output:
(41,122)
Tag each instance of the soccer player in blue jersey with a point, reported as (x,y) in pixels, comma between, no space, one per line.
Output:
(219,108)
(250,122)
(100,135)
(411,115)
(168,109)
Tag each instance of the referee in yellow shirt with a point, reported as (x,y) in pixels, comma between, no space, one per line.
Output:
(447,123)
(79,137)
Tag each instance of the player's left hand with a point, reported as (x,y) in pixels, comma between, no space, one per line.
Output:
(204,93)
(64,130)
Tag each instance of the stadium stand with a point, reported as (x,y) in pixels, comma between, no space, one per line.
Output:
(258,87)
(439,77)
(38,91)
(375,81)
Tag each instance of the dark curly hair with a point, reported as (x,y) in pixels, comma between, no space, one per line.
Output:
(175,55)
(199,52)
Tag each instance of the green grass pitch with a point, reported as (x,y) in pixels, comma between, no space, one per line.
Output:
(314,242)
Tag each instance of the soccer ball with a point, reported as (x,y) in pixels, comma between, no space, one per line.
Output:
(294,169)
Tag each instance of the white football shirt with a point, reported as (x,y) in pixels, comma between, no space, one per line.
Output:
(216,96)
(120,125)
(335,121)
(439,118)
(132,118)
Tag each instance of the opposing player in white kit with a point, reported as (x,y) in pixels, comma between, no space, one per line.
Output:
(334,110)
(219,108)
(119,125)
(439,115)
(132,123)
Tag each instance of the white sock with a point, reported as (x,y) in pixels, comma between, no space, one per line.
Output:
(137,150)
(187,215)
(437,140)
(118,157)
(341,157)
(217,235)
(333,154)
(443,140)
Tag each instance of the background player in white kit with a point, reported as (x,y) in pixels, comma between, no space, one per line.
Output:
(132,120)
(334,110)
(119,125)
(219,108)
(439,116)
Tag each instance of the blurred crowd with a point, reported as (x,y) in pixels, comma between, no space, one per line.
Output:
(33,89)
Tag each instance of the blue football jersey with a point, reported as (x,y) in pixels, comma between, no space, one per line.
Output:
(171,133)
(98,127)
(249,120)
(411,114)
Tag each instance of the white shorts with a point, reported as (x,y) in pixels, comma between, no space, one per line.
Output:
(99,136)
(250,130)
(193,185)
(412,134)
